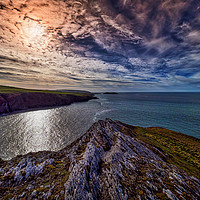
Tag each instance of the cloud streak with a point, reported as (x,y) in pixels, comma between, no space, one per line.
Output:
(123,44)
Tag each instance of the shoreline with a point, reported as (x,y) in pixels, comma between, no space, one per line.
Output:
(70,145)
(11,103)
(126,157)
(137,132)
(40,108)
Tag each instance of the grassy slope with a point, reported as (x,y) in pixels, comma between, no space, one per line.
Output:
(7,89)
(179,149)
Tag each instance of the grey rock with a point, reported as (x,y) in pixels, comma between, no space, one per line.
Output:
(47,186)
(112,158)
(28,167)
(22,195)
(57,197)
(18,176)
(30,187)
(34,193)
(14,198)
(170,194)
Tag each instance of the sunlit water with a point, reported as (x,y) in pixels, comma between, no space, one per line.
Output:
(53,129)
(50,129)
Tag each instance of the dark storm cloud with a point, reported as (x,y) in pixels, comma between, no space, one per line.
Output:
(135,43)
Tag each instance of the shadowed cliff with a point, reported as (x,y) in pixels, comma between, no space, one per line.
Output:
(14,99)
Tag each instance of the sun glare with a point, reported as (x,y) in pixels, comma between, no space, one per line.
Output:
(34,33)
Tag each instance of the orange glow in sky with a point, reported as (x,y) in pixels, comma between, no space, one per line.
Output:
(34,33)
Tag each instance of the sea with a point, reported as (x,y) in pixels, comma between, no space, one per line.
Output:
(54,128)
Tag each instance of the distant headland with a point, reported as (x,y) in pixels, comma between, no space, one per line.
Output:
(110,93)
(15,99)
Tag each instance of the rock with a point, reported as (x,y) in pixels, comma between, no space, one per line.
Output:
(34,193)
(10,102)
(107,162)
(47,186)
(4,106)
(18,177)
(14,198)
(30,187)
(170,194)
(48,194)
(22,195)
(28,168)
(117,166)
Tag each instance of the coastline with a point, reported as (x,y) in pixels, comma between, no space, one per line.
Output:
(26,101)
(110,157)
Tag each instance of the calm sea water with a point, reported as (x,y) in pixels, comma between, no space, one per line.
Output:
(54,128)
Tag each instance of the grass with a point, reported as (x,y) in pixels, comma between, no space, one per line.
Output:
(175,148)
(7,89)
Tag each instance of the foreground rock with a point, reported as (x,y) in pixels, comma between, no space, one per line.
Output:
(10,102)
(108,162)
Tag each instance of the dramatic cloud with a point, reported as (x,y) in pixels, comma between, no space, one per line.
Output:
(83,44)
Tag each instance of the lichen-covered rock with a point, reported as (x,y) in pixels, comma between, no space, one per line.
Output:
(28,168)
(107,162)
(117,166)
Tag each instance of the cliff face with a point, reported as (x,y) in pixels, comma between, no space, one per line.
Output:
(108,162)
(22,101)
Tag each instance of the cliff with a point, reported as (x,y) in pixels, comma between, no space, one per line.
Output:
(10,102)
(108,162)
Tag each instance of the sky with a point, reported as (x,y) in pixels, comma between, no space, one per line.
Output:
(100,45)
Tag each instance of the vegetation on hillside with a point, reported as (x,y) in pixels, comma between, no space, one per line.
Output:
(175,148)
(7,89)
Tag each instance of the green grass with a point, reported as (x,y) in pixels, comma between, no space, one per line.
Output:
(176,148)
(7,89)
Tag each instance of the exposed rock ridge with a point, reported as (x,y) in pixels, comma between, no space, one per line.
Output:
(117,166)
(107,162)
(29,100)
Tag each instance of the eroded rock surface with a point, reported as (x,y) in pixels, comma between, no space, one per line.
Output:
(117,166)
(107,162)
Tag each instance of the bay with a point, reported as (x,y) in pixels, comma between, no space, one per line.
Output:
(53,129)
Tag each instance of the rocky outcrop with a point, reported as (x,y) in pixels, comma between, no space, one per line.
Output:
(107,162)
(28,100)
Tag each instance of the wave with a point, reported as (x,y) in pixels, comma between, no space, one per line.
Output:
(100,113)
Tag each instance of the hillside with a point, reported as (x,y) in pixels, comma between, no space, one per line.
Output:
(14,99)
(8,89)
(111,160)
